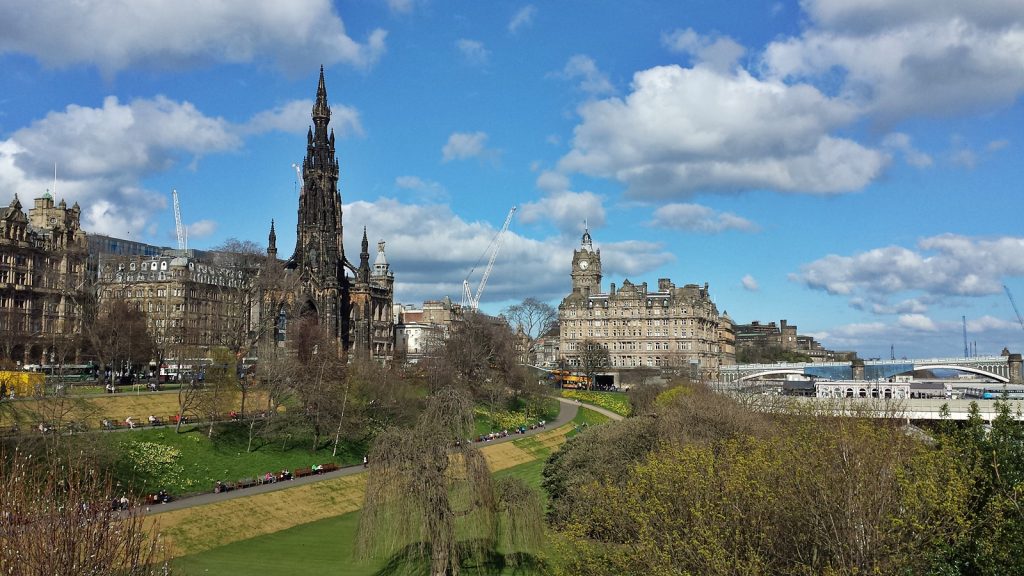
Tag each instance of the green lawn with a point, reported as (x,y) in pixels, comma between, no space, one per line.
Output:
(325,547)
(158,458)
(617,402)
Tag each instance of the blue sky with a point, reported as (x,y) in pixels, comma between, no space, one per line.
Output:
(849,165)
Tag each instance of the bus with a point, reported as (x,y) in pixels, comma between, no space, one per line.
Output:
(567,379)
(65,372)
(998,392)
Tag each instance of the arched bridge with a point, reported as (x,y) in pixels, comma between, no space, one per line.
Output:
(1005,369)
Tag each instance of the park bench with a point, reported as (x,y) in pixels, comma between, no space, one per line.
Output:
(246,482)
(330,467)
(300,472)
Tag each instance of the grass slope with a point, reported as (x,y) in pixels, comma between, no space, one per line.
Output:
(240,536)
(325,547)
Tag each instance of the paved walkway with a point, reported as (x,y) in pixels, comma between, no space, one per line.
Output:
(567,410)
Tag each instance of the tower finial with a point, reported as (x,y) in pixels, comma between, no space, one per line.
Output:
(320,108)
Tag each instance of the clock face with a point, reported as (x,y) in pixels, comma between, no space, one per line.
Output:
(584,264)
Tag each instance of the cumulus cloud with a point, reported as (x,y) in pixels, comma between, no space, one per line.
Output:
(473,51)
(401,6)
(918,322)
(591,80)
(684,130)
(462,145)
(942,266)
(996,145)
(919,336)
(697,218)
(910,58)
(435,249)
(293,117)
(900,142)
(566,210)
(551,181)
(201,229)
(427,190)
(523,18)
(114,36)
(719,52)
(432,250)
(749,283)
(104,153)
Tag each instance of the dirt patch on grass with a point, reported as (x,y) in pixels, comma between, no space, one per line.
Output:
(91,409)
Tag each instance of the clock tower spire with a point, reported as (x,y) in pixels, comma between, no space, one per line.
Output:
(586,266)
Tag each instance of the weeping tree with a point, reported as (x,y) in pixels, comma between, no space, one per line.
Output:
(430,499)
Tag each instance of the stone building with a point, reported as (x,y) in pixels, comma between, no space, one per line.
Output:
(669,327)
(187,300)
(419,331)
(351,301)
(42,281)
(783,337)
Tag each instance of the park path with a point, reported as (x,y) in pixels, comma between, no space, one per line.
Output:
(567,410)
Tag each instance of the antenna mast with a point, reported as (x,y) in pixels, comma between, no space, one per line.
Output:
(967,350)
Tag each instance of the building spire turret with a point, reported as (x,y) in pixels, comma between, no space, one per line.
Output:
(272,241)
(320,109)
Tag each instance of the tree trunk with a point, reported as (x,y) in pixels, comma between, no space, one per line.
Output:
(341,420)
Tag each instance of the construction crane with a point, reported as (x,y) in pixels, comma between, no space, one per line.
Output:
(1014,304)
(470,300)
(178,227)
(298,176)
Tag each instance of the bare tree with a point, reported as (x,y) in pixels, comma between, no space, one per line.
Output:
(427,489)
(119,337)
(58,519)
(535,317)
(219,384)
(594,358)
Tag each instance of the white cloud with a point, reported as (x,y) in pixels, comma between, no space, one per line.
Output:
(201,229)
(294,117)
(900,142)
(697,218)
(522,18)
(917,322)
(401,6)
(941,266)
(428,190)
(591,79)
(114,36)
(431,249)
(473,51)
(910,58)
(567,210)
(718,52)
(918,336)
(997,145)
(104,153)
(749,283)
(462,145)
(551,181)
(684,130)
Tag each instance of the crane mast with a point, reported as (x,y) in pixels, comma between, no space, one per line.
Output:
(469,299)
(1014,304)
(298,176)
(178,227)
